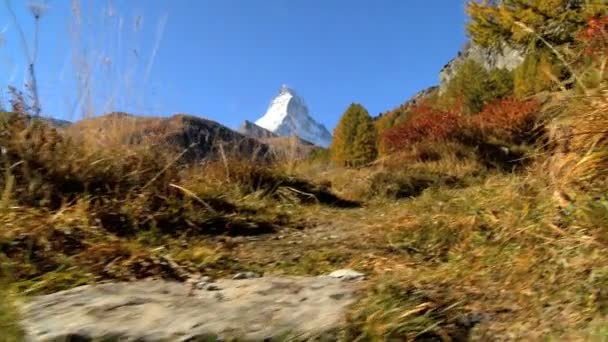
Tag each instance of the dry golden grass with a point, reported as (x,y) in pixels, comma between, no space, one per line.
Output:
(9,329)
(454,248)
(500,247)
(75,212)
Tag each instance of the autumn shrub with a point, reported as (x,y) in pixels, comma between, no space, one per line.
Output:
(426,123)
(428,152)
(593,43)
(510,121)
(595,36)
(387,120)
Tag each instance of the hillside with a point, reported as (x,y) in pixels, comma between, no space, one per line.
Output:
(475,211)
(289,148)
(195,138)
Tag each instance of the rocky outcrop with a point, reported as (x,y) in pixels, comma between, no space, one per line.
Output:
(490,58)
(413,101)
(252,130)
(249,309)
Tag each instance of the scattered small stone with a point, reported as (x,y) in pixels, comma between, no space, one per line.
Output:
(245,275)
(471,320)
(212,287)
(347,274)
(206,279)
(337,296)
(199,283)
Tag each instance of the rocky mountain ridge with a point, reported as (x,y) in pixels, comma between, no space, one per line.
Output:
(490,58)
(252,130)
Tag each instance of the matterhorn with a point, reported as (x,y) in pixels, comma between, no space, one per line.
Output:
(288,115)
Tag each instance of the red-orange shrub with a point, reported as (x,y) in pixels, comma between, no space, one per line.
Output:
(595,37)
(425,123)
(510,120)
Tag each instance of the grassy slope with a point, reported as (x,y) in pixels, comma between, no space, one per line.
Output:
(452,248)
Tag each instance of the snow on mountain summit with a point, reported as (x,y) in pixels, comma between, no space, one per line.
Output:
(288,115)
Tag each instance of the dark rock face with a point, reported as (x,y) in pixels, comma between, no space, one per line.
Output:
(205,138)
(413,101)
(420,96)
(195,138)
(252,130)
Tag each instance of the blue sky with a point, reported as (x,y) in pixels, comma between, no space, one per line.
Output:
(225,59)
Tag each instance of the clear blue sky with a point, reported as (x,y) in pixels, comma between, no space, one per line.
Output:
(226,59)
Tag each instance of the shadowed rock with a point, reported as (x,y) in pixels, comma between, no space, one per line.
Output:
(195,137)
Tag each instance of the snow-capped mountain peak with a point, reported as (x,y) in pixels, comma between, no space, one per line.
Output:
(288,115)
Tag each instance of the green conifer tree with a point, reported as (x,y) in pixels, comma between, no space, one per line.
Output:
(344,135)
(473,87)
(500,84)
(540,71)
(354,140)
(366,138)
(467,88)
(522,22)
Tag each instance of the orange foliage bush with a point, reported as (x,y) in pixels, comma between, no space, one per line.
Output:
(510,120)
(595,37)
(425,123)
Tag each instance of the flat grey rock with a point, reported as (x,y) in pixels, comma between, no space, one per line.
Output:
(347,274)
(248,309)
(245,275)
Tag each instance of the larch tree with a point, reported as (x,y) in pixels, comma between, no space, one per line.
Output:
(366,138)
(522,23)
(355,138)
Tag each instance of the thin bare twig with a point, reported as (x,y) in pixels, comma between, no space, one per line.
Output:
(168,166)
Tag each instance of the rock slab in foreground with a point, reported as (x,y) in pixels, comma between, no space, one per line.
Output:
(249,309)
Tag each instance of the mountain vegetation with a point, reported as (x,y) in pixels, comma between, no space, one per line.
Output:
(474,86)
(543,23)
(476,213)
(355,138)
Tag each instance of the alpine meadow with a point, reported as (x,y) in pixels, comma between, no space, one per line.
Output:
(475,210)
